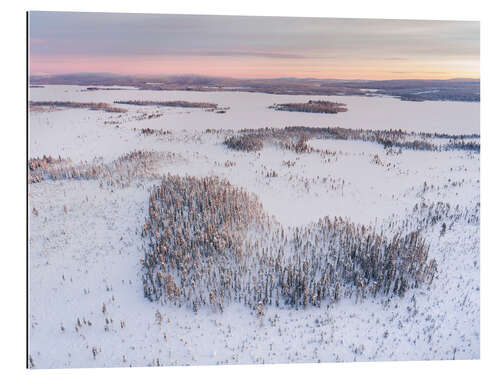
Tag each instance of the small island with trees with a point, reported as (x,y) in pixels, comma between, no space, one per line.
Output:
(40,105)
(313,106)
(175,103)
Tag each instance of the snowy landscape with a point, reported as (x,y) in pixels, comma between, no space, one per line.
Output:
(192,234)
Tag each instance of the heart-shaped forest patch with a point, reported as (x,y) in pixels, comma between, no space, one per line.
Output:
(209,243)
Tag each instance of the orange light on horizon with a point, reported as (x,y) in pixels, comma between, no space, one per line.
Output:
(244,67)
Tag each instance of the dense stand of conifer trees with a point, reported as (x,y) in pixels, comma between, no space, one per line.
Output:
(296,137)
(62,104)
(245,143)
(174,103)
(312,106)
(119,172)
(208,243)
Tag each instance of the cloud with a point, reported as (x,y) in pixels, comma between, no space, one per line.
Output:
(410,73)
(34,41)
(305,43)
(270,55)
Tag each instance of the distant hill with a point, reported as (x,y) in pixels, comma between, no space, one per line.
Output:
(456,89)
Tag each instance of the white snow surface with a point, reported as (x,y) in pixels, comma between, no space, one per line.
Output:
(85,244)
(250,110)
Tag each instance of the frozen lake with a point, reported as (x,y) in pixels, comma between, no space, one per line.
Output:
(250,110)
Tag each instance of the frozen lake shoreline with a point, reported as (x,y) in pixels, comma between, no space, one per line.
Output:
(250,110)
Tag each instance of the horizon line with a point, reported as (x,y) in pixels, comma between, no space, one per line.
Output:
(145,75)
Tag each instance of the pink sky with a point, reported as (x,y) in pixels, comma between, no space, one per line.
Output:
(246,68)
(251,47)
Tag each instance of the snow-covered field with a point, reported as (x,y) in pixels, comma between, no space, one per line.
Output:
(86,300)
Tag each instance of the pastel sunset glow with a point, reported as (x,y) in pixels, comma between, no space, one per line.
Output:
(251,47)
